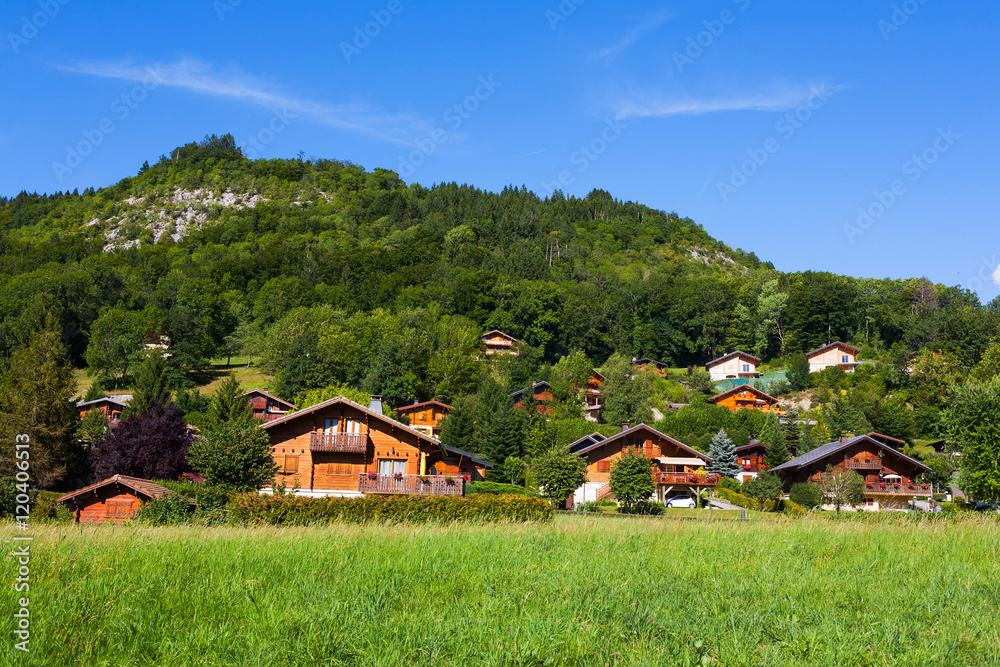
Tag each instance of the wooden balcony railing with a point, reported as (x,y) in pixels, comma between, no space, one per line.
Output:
(339,442)
(863,464)
(604,492)
(886,489)
(690,479)
(429,485)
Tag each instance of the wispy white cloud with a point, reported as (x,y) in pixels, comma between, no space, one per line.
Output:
(996,276)
(634,35)
(641,105)
(199,77)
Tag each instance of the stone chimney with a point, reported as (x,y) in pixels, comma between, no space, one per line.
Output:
(375,405)
(625,426)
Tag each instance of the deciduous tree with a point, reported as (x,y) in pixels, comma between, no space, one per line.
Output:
(632,478)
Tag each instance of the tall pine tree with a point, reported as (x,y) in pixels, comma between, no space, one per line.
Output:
(150,384)
(772,437)
(458,429)
(498,434)
(229,405)
(723,454)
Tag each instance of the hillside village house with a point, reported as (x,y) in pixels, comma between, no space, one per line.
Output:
(265,406)
(460,462)
(745,397)
(111,407)
(891,477)
(734,365)
(675,467)
(751,457)
(497,342)
(426,417)
(341,448)
(542,393)
(593,397)
(115,499)
(834,354)
(659,366)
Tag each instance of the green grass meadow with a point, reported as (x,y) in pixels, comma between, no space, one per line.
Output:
(577,591)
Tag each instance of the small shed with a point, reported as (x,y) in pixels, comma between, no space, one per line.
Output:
(115,499)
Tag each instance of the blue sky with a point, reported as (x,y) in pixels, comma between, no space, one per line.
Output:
(858,138)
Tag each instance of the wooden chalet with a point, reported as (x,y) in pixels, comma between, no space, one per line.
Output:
(734,365)
(426,417)
(460,462)
(834,354)
(267,407)
(115,499)
(745,397)
(341,448)
(593,397)
(892,479)
(751,458)
(111,407)
(497,342)
(659,366)
(542,393)
(673,465)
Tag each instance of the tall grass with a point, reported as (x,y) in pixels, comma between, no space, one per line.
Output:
(578,591)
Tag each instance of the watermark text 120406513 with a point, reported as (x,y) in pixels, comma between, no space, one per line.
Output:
(22,551)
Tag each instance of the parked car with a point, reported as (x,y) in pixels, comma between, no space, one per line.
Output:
(986,507)
(681,501)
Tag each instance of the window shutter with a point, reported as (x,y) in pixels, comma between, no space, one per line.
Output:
(291,464)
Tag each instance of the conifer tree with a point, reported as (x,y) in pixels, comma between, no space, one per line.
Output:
(723,455)
(458,429)
(229,405)
(498,425)
(790,426)
(774,439)
(150,384)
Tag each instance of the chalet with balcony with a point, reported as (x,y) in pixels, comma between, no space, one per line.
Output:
(341,448)
(673,465)
(458,462)
(267,407)
(497,342)
(733,366)
(426,417)
(115,499)
(593,397)
(542,394)
(658,366)
(751,458)
(745,397)
(834,354)
(111,407)
(892,479)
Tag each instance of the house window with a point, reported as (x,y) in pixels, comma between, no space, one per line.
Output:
(391,467)
(843,358)
(330,426)
(746,368)
(352,426)
(288,465)
(603,466)
(120,508)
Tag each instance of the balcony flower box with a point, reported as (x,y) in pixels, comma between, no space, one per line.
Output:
(449,480)
(372,475)
(425,479)
(398,475)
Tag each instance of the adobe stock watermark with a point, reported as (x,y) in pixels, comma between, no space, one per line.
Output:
(989,271)
(381,18)
(900,14)
(455,116)
(697,44)
(223,7)
(561,13)
(22,543)
(913,169)
(255,143)
(121,108)
(584,156)
(30,25)
(786,127)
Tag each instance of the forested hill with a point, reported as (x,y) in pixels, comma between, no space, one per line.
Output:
(213,250)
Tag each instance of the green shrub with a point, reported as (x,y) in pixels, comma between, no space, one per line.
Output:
(496,489)
(644,506)
(792,508)
(298,510)
(728,483)
(807,494)
(738,499)
(606,502)
(170,510)
(8,491)
(211,501)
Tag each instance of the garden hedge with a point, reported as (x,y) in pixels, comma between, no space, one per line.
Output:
(298,510)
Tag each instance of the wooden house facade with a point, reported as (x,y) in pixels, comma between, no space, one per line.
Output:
(593,397)
(111,407)
(497,342)
(892,479)
(658,366)
(745,397)
(426,417)
(341,448)
(673,465)
(734,365)
(541,392)
(751,458)
(834,354)
(115,499)
(267,407)
(458,462)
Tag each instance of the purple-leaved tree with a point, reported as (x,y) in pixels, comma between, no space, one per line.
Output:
(150,445)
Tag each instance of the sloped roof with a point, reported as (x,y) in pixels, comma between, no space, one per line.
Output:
(497,331)
(737,353)
(121,399)
(263,392)
(651,430)
(744,387)
(647,360)
(830,448)
(139,486)
(850,348)
(469,455)
(417,406)
(586,441)
(284,419)
(752,444)
(534,385)
(887,440)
